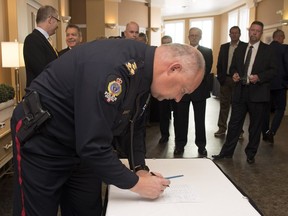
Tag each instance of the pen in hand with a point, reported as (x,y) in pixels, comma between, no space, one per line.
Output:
(153,174)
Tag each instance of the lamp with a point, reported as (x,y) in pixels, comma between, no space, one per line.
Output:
(12,57)
(110,25)
(66,19)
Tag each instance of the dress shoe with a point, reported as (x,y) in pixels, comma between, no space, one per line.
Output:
(221,156)
(202,152)
(269,137)
(219,133)
(251,160)
(178,151)
(163,140)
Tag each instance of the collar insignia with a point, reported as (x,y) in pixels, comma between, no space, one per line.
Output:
(131,66)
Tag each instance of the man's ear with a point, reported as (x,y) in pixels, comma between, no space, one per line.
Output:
(175,67)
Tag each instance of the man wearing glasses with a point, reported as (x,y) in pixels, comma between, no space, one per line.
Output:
(38,50)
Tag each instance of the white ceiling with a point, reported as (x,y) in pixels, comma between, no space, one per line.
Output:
(190,8)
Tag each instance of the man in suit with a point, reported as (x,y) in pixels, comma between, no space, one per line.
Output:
(225,79)
(251,93)
(38,51)
(73,37)
(198,98)
(278,88)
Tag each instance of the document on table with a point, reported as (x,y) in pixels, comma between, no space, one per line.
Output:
(179,194)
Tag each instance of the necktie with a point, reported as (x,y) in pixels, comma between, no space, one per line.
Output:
(246,66)
(50,41)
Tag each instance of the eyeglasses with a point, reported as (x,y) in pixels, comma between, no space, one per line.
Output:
(58,20)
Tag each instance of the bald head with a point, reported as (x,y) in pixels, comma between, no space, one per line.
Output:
(131,31)
(178,70)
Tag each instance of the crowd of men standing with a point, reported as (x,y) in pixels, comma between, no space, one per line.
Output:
(271,81)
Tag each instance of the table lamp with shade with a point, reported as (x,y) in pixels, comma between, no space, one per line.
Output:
(12,57)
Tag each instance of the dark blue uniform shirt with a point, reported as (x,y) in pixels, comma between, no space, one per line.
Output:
(86,92)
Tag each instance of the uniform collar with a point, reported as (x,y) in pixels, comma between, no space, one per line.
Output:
(149,64)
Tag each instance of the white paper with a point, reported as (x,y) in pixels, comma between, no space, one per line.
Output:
(179,194)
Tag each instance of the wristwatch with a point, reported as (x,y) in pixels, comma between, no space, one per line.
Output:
(141,167)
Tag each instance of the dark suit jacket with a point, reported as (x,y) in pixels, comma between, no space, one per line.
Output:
(278,82)
(222,62)
(203,91)
(38,52)
(264,66)
(64,51)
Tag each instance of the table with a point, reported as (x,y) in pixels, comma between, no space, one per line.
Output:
(205,188)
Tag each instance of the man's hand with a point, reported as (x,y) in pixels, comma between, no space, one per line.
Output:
(236,77)
(150,186)
(253,78)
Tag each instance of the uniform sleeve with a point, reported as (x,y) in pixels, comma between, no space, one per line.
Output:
(94,117)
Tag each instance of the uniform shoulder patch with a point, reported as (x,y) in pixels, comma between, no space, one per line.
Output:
(114,88)
(131,67)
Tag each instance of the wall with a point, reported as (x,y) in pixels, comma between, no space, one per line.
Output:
(5,74)
(272,6)
(133,11)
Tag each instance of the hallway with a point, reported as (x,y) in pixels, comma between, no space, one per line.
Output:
(265,182)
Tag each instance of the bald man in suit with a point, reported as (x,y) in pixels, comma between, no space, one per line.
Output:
(198,99)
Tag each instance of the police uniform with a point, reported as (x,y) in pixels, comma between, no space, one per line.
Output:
(92,94)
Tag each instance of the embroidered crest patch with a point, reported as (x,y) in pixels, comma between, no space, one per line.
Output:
(131,66)
(114,90)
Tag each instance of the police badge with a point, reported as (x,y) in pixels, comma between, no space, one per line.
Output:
(114,89)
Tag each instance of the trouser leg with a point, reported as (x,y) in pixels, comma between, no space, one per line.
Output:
(280,106)
(181,119)
(199,108)
(81,194)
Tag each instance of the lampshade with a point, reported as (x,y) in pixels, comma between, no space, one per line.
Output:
(12,55)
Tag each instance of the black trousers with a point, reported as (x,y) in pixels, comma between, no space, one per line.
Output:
(239,110)
(49,175)
(165,117)
(278,102)
(181,123)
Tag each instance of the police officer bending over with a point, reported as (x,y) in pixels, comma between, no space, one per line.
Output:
(63,129)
